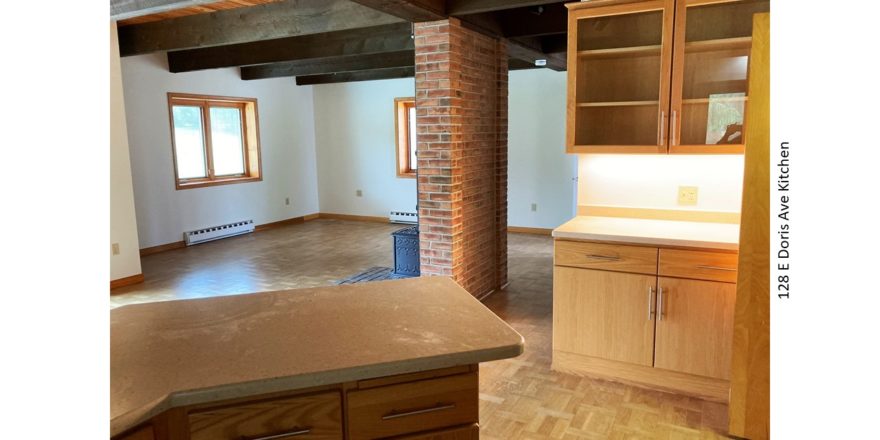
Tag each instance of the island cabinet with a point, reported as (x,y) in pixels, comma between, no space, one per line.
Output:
(654,316)
(437,405)
(659,76)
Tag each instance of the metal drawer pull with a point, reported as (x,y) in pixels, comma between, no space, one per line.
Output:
(672,130)
(729,269)
(397,415)
(660,304)
(661,135)
(650,298)
(603,257)
(282,435)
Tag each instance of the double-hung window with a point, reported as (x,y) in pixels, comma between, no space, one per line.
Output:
(214,140)
(405,127)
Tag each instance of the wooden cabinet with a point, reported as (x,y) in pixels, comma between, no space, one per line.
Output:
(669,324)
(429,405)
(659,76)
(596,313)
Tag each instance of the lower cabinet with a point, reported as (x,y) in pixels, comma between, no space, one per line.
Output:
(430,405)
(653,316)
(604,314)
(694,326)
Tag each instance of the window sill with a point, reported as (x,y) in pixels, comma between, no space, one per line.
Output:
(411,175)
(216,182)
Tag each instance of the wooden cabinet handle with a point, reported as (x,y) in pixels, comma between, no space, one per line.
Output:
(397,415)
(603,257)
(283,435)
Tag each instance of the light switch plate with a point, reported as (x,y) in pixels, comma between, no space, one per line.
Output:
(687,195)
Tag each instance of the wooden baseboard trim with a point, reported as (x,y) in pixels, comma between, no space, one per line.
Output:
(361,218)
(312,216)
(707,388)
(162,248)
(290,221)
(127,281)
(528,230)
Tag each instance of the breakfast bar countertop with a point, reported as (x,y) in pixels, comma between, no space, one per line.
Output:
(703,235)
(175,353)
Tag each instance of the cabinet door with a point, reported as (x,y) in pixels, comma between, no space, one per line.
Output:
(694,326)
(619,64)
(604,314)
(709,81)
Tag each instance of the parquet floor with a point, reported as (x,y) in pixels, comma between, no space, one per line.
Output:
(520,398)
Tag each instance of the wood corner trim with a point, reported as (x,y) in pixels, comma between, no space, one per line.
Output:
(529,230)
(126,281)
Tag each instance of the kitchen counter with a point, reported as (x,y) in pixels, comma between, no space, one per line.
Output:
(723,236)
(176,353)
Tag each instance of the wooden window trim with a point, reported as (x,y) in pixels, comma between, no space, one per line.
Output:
(250,128)
(401,136)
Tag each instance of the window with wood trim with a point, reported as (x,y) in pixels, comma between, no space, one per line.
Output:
(214,140)
(405,131)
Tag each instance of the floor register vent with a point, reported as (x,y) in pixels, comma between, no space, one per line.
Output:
(218,232)
(410,218)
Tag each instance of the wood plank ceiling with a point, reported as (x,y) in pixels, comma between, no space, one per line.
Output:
(324,41)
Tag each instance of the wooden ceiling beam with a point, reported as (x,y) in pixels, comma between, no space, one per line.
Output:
(364,75)
(375,39)
(557,43)
(529,52)
(410,10)
(465,7)
(289,18)
(536,20)
(122,9)
(351,63)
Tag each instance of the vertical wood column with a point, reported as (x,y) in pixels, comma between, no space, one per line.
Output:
(461,108)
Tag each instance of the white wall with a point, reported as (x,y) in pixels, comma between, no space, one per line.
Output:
(287,141)
(354,131)
(539,170)
(652,181)
(123,226)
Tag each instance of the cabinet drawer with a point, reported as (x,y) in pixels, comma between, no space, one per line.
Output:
(413,407)
(316,416)
(634,259)
(710,266)
(469,432)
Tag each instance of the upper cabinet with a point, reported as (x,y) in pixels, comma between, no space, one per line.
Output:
(660,76)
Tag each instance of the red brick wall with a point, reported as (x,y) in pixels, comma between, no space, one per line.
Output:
(461,108)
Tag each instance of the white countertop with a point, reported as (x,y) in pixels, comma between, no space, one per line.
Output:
(651,232)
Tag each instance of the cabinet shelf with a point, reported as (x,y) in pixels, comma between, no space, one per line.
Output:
(617,103)
(619,52)
(719,44)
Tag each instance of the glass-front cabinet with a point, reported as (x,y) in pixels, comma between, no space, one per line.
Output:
(659,76)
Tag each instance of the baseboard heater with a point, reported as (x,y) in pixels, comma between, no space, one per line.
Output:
(218,232)
(409,218)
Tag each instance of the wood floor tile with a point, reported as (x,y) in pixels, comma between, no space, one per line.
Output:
(520,398)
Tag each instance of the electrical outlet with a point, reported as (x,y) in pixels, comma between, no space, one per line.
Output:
(687,195)
(287,200)
(359,193)
(115,248)
(534,207)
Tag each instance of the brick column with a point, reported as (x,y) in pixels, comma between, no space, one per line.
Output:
(461,108)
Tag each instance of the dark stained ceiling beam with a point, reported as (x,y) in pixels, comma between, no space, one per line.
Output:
(465,7)
(375,39)
(530,53)
(351,63)
(535,20)
(364,75)
(289,18)
(554,43)
(410,10)
(122,9)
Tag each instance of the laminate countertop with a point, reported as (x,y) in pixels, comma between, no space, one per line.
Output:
(175,353)
(701,235)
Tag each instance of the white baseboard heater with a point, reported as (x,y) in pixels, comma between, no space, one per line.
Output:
(410,218)
(218,232)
